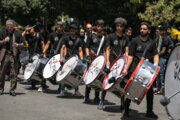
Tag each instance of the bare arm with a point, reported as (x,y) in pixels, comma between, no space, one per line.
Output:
(80,53)
(87,51)
(46,46)
(62,52)
(129,61)
(162,51)
(156,60)
(126,51)
(107,55)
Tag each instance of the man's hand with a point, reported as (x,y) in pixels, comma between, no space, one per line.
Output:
(124,72)
(44,55)
(6,39)
(15,45)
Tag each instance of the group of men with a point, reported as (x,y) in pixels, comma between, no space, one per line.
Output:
(85,45)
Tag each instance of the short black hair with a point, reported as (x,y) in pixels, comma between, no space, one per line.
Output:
(147,24)
(129,28)
(73,26)
(99,22)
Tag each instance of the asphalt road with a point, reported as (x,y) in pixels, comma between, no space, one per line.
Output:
(29,104)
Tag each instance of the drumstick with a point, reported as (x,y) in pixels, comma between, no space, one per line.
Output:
(166,100)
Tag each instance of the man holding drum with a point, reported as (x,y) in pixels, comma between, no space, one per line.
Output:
(137,47)
(116,45)
(92,45)
(71,45)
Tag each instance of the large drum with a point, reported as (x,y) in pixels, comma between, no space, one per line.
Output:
(34,70)
(71,73)
(141,80)
(172,84)
(24,57)
(116,69)
(51,67)
(94,75)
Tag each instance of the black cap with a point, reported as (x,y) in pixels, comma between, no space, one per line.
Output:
(147,24)
(73,26)
(163,27)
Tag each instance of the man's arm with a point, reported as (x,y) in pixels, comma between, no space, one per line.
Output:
(62,51)
(107,55)
(156,59)
(80,53)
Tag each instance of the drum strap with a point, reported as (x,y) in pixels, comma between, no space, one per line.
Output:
(100,45)
(147,47)
(36,42)
(59,44)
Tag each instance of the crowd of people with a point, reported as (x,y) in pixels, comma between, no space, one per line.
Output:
(84,42)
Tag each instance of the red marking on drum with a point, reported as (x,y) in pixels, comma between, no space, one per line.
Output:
(54,62)
(134,73)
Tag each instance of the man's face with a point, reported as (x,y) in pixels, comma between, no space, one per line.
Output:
(9,28)
(32,31)
(119,28)
(144,31)
(129,33)
(59,28)
(73,32)
(82,32)
(162,32)
(28,29)
(99,28)
(89,28)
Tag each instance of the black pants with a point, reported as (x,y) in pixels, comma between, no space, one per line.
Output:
(88,90)
(149,99)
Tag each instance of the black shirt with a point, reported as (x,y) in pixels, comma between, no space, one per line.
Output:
(35,43)
(54,39)
(137,48)
(117,44)
(72,45)
(165,43)
(93,42)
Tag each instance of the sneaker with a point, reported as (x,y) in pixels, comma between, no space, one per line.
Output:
(101,104)
(40,89)
(62,93)
(78,94)
(151,115)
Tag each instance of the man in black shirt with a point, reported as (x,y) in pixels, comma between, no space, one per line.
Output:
(93,45)
(10,42)
(136,51)
(54,40)
(116,45)
(163,44)
(71,45)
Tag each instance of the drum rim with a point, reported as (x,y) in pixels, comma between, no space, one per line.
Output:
(167,111)
(69,72)
(35,67)
(105,78)
(45,66)
(98,73)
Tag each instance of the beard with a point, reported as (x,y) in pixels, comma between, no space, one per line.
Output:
(144,34)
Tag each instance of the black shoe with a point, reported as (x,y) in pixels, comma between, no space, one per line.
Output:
(96,100)
(12,93)
(151,115)
(87,100)
(1,92)
(126,115)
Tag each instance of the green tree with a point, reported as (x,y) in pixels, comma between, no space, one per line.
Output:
(161,11)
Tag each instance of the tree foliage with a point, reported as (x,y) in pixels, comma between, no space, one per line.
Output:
(161,11)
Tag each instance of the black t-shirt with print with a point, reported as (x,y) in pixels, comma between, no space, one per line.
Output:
(72,45)
(93,42)
(54,39)
(137,48)
(165,43)
(117,45)
(35,43)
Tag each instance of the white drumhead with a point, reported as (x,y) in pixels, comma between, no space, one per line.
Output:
(67,68)
(31,67)
(172,83)
(94,69)
(51,67)
(116,69)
